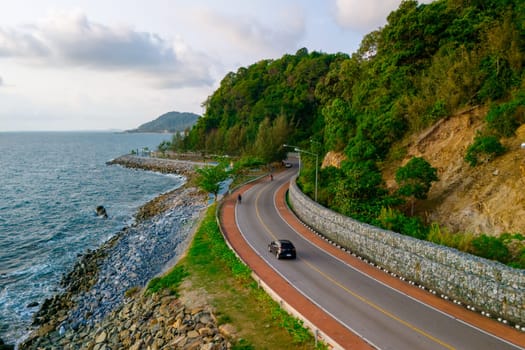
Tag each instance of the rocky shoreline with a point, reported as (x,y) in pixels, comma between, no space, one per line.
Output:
(162,165)
(102,305)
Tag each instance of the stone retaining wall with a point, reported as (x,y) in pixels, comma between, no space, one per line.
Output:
(481,283)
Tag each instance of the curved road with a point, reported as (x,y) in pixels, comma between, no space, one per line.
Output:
(385,317)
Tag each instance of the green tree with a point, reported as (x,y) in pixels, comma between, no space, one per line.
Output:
(264,143)
(339,123)
(359,191)
(235,140)
(164,146)
(415,179)
(210,177)
(270,138)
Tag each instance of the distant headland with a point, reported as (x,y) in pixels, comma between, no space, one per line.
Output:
(170,122)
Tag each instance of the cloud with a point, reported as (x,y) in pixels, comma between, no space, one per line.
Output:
(365,16)
(1,81)
(251,36)
(72,39)
(18,43)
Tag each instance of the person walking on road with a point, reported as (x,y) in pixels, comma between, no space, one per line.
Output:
(239,198)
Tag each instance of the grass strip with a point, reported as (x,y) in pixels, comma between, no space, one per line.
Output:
(211,266)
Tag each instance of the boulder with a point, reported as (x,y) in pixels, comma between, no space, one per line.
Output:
(30,305)
(101,211)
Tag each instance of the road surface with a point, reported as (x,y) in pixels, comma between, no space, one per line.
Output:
(383,316)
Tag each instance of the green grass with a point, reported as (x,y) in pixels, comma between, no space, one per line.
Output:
(259,321)
(170,281)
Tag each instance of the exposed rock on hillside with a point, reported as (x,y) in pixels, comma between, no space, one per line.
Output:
(489,198)
(333,159)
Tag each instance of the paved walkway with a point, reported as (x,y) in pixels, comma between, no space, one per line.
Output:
(324,322)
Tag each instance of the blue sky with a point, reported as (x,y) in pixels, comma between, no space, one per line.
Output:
(97,65)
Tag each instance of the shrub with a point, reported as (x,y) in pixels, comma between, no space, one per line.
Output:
(412,226)
(483,145)
(518,262)
(490,248)
(463,241)
(505,118)
(515,243)
(442,236)
(396,221)
(438,235)
(387,218)
(438,110)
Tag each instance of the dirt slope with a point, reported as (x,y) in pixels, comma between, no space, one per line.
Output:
(489,198)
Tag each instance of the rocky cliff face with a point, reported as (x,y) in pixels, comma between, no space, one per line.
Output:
(489,198)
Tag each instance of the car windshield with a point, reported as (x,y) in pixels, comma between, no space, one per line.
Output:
(287,245)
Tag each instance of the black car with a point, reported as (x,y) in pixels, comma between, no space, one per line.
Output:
(282,248)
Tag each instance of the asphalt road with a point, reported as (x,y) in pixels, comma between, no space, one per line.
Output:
(384,317)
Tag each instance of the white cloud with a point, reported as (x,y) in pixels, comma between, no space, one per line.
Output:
(365,16)
(40,98)
(250,36)
(71,39)
(19,43)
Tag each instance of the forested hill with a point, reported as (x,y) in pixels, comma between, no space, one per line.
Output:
(253,98)
(429,63)
(170,122)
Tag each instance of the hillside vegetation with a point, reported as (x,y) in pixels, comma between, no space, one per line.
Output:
(424,120)
(170,122)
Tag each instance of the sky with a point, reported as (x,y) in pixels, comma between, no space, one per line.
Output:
(106,65)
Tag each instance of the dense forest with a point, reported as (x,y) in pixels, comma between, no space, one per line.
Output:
(428,62)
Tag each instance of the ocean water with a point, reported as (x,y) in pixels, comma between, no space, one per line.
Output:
(50,185)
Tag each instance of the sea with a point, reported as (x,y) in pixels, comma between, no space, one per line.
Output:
(50,185)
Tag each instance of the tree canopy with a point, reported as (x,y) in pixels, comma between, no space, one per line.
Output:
(415,179)
(210,177)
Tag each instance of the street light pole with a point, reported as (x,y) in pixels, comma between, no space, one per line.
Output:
(316,174)
(297,149)
(316,166)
